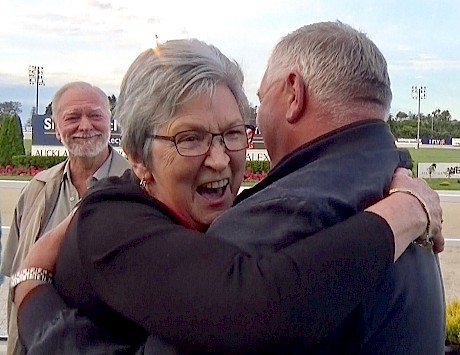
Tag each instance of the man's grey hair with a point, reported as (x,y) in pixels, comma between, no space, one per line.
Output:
(164,78)
(83,86)
(340,66)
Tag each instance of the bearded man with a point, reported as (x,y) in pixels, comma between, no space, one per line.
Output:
(81,114)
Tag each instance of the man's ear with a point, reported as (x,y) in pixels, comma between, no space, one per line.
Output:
(56,132)
(298,97)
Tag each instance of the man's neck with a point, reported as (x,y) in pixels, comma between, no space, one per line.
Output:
(82,168)
(316,124)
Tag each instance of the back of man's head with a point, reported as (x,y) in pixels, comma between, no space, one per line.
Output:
(341,67)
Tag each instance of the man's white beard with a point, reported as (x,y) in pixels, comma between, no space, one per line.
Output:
(87,149)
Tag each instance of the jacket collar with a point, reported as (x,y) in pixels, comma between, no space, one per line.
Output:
(354,137)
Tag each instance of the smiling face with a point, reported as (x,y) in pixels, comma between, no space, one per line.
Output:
(199,188)
(82,122)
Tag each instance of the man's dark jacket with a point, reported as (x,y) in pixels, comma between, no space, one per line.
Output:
(325,182)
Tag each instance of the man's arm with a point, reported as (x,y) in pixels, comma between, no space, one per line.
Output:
(23,210)
(12,241)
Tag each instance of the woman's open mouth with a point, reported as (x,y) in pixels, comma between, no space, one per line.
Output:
(213,190)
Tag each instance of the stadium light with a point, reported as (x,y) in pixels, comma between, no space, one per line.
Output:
(418,93)
(36,78)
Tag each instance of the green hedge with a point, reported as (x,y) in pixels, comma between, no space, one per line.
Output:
(40,162)
(11,139)
(257,166)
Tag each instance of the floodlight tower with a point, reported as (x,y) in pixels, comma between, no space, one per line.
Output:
(36,78)
(418,93)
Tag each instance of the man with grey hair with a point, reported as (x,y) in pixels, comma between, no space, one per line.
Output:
(323,101)
(81,114)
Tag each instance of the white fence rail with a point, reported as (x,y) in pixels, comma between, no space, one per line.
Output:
(445,196)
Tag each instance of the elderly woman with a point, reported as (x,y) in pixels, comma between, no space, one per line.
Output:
(135,260)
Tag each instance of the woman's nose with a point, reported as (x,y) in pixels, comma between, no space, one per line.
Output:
(217,157)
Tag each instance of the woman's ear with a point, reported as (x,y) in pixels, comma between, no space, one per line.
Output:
(298,98)
(139,169)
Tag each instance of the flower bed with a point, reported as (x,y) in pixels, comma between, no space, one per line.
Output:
(19,170)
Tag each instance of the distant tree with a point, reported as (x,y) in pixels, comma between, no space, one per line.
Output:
(446,115)
(401,116)
(438,123)
(9,108)
(252,115)
(253,111)
(11,139)
(49,109)
(112,103)
(21,133)
(455,129)
(29,119)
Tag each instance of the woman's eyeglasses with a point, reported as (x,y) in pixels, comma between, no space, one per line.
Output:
(194,143)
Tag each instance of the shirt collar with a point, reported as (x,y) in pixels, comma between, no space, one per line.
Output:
(100,173)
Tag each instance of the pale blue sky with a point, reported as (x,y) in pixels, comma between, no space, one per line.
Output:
(96,41)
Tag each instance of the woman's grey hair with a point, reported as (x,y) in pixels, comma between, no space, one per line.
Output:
(340,66)
(83,86)
(164,78)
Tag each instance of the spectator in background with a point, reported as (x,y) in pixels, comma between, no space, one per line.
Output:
(431,169)
(82,119)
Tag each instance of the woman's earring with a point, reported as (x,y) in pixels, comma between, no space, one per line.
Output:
(143,183)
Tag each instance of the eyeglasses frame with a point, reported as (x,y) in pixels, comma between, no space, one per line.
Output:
(173,139)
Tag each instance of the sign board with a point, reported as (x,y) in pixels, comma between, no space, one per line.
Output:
(438,170)
(407,140)
(444,140)
(257,154)
(58,150)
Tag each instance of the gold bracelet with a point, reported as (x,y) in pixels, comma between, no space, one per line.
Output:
(426,238)
(32,273)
